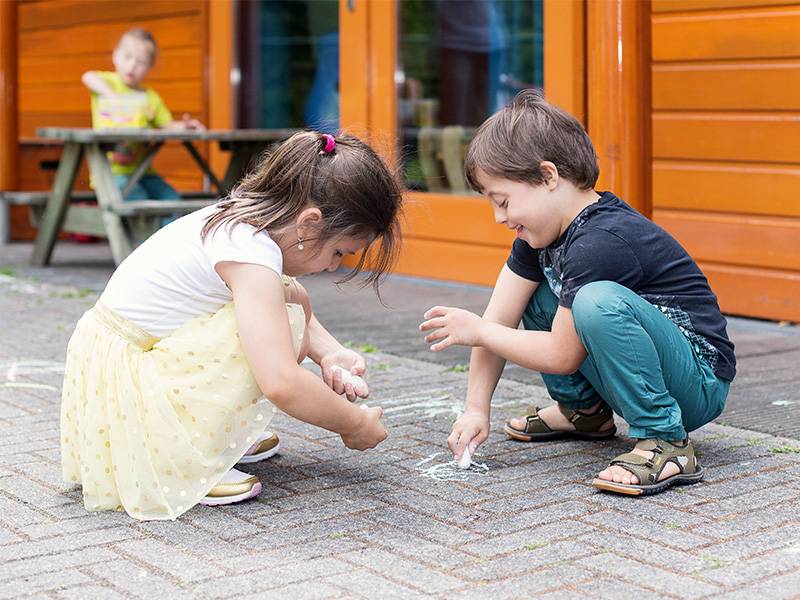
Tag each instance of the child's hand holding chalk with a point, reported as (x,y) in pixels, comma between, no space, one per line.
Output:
(359,385)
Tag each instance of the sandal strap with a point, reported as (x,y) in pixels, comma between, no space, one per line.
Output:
(587,423)
(648,470)
(534,423)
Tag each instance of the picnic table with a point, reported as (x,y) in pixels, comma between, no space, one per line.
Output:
(125,221)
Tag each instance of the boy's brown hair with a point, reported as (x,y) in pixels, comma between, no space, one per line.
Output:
(513,142)
(142,35)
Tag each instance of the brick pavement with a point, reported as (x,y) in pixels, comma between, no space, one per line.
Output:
(393,522)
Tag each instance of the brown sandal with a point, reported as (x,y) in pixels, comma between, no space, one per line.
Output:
(587,426)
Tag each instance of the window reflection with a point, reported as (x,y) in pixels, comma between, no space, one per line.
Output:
(458,68)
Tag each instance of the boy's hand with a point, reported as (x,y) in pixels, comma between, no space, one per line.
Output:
(453,326)
(190,123)
(348,360)
(368,431)
(470,430)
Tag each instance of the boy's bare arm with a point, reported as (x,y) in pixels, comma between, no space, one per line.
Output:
(93,81)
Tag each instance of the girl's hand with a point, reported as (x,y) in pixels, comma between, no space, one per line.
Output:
(348,360)
(368,431)
(470,430)
(452,326)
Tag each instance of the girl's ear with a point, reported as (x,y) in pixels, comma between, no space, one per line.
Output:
(549,173)
(309,222)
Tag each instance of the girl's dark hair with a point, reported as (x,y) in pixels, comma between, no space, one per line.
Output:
(353,188)
(512,143)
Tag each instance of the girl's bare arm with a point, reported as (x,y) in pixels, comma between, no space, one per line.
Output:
(266,339)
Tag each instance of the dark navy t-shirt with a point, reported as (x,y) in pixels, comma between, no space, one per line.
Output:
(610,241)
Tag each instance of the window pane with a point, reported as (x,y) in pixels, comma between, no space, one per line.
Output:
(289,62)
(460,61)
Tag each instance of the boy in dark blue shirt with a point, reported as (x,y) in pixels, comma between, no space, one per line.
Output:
(617,316)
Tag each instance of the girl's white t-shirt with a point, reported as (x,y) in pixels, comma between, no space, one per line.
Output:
(170,278)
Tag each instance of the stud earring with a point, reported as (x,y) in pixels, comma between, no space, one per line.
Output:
(300,244)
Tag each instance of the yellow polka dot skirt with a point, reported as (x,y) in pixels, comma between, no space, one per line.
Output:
(149,426)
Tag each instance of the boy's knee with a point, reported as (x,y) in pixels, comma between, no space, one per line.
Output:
(594,301)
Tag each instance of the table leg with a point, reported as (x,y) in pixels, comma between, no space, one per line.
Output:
(109,196)
(203,166)
(57,204)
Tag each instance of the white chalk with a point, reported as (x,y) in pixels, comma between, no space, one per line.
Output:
(466,460)
(359,385)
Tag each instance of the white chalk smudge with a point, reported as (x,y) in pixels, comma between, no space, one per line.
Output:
(783,402)
(449,471)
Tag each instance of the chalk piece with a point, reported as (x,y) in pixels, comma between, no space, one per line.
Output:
(465,461)
(359,385)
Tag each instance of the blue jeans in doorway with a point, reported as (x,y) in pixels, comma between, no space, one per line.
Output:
(638,362)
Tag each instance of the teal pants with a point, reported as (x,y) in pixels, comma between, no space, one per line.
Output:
(638,362)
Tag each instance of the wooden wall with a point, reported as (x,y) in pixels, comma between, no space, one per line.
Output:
(726,145)
(60,39)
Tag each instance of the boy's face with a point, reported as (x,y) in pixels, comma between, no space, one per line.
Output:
(532,211)
(132,60)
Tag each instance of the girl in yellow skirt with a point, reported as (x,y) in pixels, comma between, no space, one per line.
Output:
(173,376)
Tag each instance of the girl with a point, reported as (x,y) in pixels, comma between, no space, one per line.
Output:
(164,376)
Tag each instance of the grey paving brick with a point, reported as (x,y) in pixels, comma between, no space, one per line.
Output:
(662,509)
(648,552)
(16,513)
(744,524)
(411,546)
(178,562)
(100,537)
(746,572)
(408,572)
(277,576)
(746,503)
(86,522)
(333,545)
(532,498)
(137,581)
(643,527)
(304,533)
(542,534)
(313,590)
(424,526)
(22,568)
(95,592)
(755,543)
(530,519)
(776,588)
(42,583)
(363,583)
(534,583)
(614,589)
(657,579)
(534,554)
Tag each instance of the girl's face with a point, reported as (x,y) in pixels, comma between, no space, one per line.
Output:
(534,212)
(316,257)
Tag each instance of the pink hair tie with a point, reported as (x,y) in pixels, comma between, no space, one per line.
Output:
(330,143)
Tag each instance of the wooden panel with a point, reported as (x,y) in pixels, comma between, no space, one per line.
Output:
(449,261)
(353,68)
(751,33)
(683,5)
(619,110)
(8,96)
(101,37)
(756,292)
(221,90)
(172,64)
(715,86)
(737,188)
(564,56)
(64,13)
(29,122)
(760,137)
(769,242)
(467,220)
(179,96)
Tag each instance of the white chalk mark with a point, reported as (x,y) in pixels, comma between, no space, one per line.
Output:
(31,386)
(783,402)
(450,471)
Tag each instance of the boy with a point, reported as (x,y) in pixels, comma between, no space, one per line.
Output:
(617,316)
(119,100)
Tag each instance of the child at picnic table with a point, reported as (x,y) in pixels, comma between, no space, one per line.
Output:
(617,316)
(120,100)
(173,376)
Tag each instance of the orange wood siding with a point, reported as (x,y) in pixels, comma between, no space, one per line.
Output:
(58,40)
(726,145)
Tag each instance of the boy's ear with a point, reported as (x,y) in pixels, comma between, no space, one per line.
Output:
(549,173)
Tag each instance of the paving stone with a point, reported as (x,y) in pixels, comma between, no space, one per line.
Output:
(775,588)
(758,500)
(755,543)
(657,579)
(643,527)
(424,526)
(28,549)
(365,584)
(95,592)
(276,576)
(531,519)
(534,584)
(43,583)
(744,524)
(743,572)
(534,536)
(613,589)
(180,563)
(137,581)
(11,569)
(408,572)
